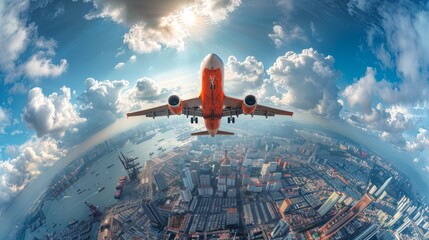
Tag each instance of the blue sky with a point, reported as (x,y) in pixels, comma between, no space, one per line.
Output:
(68,69)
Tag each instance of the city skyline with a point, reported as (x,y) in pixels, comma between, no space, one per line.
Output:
(260,184)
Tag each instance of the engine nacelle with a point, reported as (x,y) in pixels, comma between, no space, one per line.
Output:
(249,104)
(175,104)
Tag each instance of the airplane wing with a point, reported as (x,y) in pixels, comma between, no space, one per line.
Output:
(190,107)
(233,107)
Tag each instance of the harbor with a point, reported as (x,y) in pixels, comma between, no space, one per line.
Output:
(97,185)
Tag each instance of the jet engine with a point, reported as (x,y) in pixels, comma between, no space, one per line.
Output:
(249,104)
(175,104)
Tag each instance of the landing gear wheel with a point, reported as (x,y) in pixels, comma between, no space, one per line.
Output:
(196,120)
(229,119)
(192,120)
(233,119)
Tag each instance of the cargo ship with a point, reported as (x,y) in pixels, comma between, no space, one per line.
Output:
(111,165)
(120,187)
(100,189)
(72,222)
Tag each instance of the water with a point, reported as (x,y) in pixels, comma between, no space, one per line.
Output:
(71,205)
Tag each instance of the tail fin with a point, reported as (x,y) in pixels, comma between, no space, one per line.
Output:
(204,133)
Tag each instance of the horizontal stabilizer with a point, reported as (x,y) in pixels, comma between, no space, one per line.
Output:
(224,133)
(204,133)
(200,133)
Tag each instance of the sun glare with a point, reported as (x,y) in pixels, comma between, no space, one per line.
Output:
(188,16)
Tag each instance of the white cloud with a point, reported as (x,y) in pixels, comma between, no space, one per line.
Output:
(119,65)
(420,142)
(243,77)
(143,39)
(145,90)
(280,35)
(158,23)
(4,120)
(404,29)
(133,58)
(34,157)
(40,66)
(217,10)
(50,115)
(99,102)
(16,132)
(14,33)
(389,123)
(362,5)
(305,80)
(361,92)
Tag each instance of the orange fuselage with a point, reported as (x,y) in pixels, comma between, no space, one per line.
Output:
(212,96)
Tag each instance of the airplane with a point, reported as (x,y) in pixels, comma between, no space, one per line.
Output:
(212,104)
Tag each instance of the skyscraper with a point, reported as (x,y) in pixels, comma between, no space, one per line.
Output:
(368,232)
(187,179)
(231,216)
(155,217)
(383,187)
(373,189)
(404,225)
(160,180)
(287,203)
(343,217)
(186,195)
(330,202)
(281,229)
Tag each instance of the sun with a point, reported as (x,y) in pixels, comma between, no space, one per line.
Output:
(188,16)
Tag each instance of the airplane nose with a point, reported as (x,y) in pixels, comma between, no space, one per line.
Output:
(212,61)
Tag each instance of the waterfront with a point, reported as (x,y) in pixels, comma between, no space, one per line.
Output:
(71,205)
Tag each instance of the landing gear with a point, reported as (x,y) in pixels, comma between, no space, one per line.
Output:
(194,120)
(231,119)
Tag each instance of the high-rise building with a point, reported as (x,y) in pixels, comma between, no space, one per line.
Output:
(285,165)
(272,166)
(281,229)
(286,205)
(368,232)
(404,225)
(373,189)
(342,198)
(313,156)
(204,180)
(225,169)
(329,203)
(187,179)
(230,180)
(394,219)
(186,195)
(155,217)
(383,187)
(194,176)
(231,216)
(160,180)
(265,169)
(343,217)
(382,196)
(388,235)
